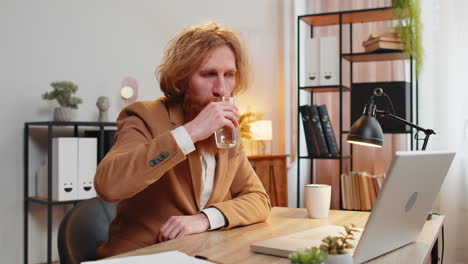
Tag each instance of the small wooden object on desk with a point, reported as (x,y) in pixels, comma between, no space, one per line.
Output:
(272,171)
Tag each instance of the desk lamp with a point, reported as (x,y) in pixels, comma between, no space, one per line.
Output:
(261,130)
(367,131)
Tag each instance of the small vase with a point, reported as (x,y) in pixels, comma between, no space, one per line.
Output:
(62,114)
(340,259)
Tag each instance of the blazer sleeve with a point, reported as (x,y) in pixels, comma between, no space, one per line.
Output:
(250,203)
(137,158)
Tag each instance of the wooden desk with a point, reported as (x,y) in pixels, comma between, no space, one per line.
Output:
(233,246)
(272,172)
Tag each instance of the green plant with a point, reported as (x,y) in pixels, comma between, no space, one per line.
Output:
(339,244)
(63,92)
(308,256)
(409,28)
(244,123)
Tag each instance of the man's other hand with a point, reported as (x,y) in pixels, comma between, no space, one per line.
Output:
(213,117)
(179,226)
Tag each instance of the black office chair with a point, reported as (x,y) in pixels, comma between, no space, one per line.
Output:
(83,230)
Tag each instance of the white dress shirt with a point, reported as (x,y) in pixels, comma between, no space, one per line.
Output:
(208,161)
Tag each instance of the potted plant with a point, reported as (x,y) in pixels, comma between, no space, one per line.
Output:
(337,246)
(244,123)
(409,29)
(63,92)
(308,256)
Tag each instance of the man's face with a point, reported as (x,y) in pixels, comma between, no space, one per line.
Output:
(216,76)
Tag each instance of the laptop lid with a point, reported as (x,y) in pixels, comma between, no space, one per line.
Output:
(404,202)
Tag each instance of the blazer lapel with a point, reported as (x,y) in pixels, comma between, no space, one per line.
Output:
(176,117)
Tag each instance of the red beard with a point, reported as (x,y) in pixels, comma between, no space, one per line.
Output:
(192,106)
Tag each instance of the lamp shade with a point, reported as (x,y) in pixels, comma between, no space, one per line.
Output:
(261,130)
(366,130)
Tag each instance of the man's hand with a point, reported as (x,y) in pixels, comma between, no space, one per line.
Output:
(213,117)
(179,226)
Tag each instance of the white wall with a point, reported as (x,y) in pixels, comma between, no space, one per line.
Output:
(96,44)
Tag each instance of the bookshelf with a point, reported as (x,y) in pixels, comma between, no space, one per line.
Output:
(48,202)
(344,21)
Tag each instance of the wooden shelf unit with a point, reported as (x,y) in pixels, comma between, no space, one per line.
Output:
(327,88)
(349,17)
(378,56)
(340,19)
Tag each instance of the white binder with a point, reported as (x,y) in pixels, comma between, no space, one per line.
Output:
(64,169)
(329,61)
(87,163)
(310,75)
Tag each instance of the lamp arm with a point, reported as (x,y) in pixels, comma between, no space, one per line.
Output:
(427,132)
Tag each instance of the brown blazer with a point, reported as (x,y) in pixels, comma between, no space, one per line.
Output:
(150,177)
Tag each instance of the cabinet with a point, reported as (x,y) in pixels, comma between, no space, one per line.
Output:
(340,93)
(272,171)
(27,198)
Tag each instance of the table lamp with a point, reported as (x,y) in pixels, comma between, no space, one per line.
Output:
(367,130)
(261,130)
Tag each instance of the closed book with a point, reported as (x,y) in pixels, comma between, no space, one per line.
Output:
(344,192)
(384,34)
(370,181)
(355,191)
(347,194)
(319,133)
(374,40)
(364,192)
(328,130)
(385,46)
(309,130)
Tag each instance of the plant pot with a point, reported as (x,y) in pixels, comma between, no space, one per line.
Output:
(339,259)
(62,114)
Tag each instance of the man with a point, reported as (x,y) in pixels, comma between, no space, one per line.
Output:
(164,169)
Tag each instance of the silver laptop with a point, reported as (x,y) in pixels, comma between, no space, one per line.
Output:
(400,211)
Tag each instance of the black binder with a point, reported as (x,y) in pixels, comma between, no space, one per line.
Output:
(319,135)
(328,130)
(312,148)
(315,139)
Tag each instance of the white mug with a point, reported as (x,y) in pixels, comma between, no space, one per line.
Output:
(317,200)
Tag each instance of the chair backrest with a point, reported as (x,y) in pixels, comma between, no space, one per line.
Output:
(83,230)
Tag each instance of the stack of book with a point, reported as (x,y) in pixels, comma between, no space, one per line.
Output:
(381,42)
(359,190)
(318,131)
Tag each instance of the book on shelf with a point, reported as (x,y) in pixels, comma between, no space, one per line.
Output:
(360,190)
(386,41)
(313,132)
(383,34)
(379,39)
(364,192)
(385,46)
(328,130)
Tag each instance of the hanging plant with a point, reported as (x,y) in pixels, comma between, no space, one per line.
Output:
(409,28)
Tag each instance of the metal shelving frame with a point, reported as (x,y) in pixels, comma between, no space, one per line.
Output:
(341,18)
(49,202)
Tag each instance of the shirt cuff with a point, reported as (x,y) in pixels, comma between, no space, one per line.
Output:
(183,139)
(215,217)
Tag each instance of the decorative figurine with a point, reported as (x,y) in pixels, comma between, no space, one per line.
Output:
(103,105)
